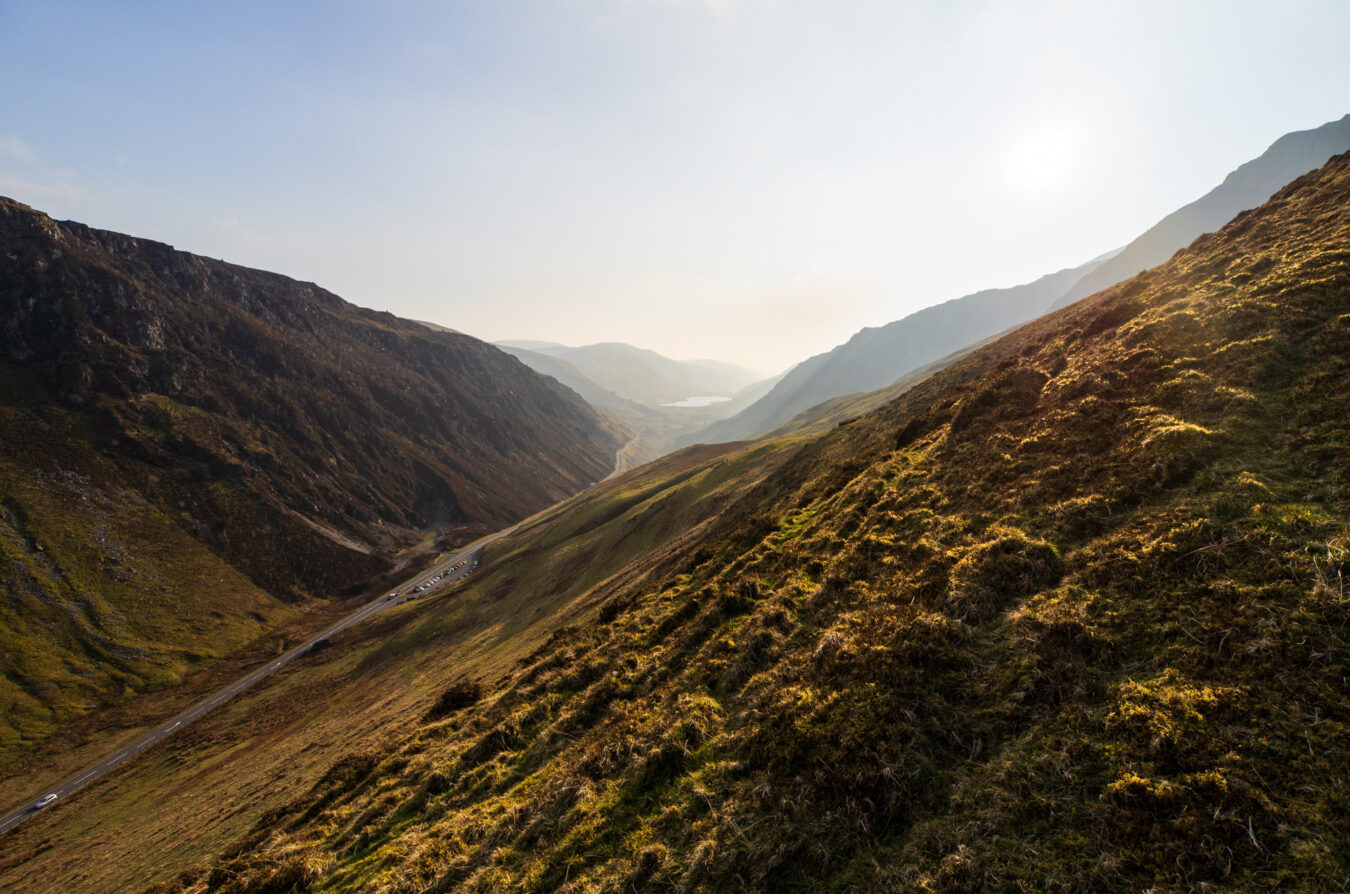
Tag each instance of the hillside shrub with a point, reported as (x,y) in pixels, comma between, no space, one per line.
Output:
(460,695)
(1001,571)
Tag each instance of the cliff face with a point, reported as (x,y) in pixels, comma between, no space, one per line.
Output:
(244,393)
(265,426)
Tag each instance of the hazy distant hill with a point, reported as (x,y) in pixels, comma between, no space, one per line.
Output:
(528,344)
(824,416)
(656,427)
(876,358)
(568,375)
(731,371)
(1250,185)
(748,395)
(641,375)
(170,420)
(436,326)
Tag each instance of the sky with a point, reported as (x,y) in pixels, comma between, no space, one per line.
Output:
(744,180)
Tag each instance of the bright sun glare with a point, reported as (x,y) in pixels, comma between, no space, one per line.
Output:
(1040,160)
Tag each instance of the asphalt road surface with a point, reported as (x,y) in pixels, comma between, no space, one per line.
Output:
(462,562)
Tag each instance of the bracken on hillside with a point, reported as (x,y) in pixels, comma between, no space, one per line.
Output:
(1069,616)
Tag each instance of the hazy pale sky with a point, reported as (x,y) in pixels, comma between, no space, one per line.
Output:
(745,180)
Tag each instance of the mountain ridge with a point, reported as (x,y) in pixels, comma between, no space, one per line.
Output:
(867,359)
(292,445)
(1244,188)
(876,357)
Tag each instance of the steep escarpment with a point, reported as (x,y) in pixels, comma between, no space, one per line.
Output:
(264,425)
(1069,615)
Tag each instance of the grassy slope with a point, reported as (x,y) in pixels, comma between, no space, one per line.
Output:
(1070,615)
(189,799)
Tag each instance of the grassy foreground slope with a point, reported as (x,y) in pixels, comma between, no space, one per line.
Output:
(1070,615)
(350,704)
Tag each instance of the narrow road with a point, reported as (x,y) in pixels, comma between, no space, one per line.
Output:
(463,563)
(618,457)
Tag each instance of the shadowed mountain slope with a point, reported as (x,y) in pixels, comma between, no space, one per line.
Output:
(171,420)
(1068,615)
(347,702)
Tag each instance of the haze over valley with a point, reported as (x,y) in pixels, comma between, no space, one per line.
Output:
(687,446)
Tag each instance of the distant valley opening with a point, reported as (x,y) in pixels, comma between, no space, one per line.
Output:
(700,401)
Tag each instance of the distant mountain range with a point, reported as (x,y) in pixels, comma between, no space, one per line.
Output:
(878,357)
(609,370)
(566,373)
(169,419)
(645,392)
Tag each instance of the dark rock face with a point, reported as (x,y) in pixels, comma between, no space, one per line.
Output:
(300,436)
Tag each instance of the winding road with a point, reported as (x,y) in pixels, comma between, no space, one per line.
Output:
(463,563)
(618,457)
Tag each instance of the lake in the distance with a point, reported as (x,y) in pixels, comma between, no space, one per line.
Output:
(697,402)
